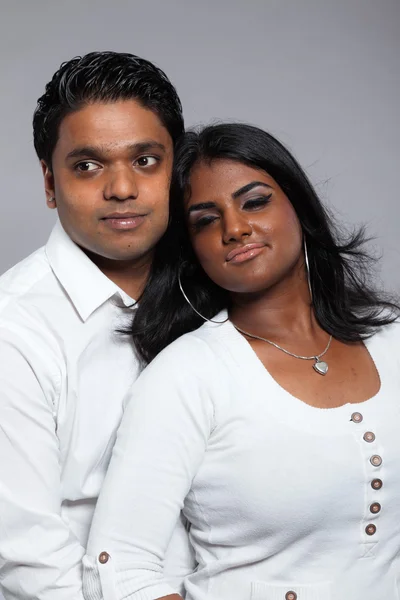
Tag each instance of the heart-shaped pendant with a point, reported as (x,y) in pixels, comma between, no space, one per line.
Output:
(320,367)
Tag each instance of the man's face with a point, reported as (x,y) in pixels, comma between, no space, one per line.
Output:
(110,179)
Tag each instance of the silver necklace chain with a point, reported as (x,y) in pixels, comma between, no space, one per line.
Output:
(257,337)
(319,366)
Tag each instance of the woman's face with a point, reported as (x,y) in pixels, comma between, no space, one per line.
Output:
(243,228)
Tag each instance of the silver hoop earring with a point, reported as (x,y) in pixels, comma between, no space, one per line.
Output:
(193,308)
(307,268)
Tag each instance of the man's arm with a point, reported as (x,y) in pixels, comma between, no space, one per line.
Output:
(40,558)
(160,446)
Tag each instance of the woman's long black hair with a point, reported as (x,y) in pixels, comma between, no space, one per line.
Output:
(345,301)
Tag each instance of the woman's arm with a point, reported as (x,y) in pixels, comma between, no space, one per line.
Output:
(160,445)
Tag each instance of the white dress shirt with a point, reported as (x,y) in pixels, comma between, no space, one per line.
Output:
(64,374)
(285,500)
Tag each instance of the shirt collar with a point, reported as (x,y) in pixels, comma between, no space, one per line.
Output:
(87,287)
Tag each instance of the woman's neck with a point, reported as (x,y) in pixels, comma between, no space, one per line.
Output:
(282,313)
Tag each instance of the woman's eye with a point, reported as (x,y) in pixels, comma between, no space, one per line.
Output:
(146,161)
(204,221)
(255,203)
(86,166)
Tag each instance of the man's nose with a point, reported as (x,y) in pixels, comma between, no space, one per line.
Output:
(121,185)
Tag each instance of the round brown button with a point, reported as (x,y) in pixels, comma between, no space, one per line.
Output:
(369,436)
(376,460)
(375,508)
(356,417)
(291,596)
(103,557)
(376,484)
(370,529)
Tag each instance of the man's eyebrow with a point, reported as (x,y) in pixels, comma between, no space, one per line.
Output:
(147,146)
(201,206)
(248,187)
(86,151)
(103,152)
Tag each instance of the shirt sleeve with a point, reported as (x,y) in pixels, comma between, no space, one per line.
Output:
(160,446)
(39,557)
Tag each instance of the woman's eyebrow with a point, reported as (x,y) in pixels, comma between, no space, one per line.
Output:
(248,187)
(201,206)
(243,190)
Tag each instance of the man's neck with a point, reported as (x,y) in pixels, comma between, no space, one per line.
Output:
(130,276)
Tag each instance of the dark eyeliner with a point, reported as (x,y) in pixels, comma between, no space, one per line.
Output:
(203,222)
(257,202)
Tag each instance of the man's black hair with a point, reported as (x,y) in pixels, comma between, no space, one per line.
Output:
(103,77)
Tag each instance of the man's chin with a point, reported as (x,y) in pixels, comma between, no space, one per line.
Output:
(117,255)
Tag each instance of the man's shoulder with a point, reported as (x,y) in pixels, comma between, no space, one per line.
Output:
(26,272)
(32,276)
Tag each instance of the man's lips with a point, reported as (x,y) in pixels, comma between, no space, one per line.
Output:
(123,220)
(121,215)
(243,253)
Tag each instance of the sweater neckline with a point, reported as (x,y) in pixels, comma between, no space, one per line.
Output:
(294,410)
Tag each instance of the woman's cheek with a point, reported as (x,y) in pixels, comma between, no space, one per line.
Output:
(202,248)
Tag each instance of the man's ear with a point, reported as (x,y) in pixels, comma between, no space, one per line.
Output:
(49,185)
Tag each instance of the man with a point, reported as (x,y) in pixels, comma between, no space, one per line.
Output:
(104,132)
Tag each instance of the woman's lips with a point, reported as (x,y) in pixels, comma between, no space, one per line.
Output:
(244,253)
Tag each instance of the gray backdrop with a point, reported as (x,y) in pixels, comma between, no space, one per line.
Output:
(322,75)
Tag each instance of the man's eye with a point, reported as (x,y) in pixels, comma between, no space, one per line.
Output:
(86,166)
(146,161)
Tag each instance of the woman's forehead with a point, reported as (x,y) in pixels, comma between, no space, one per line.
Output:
(223,176)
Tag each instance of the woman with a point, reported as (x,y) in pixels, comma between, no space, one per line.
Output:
(275,425)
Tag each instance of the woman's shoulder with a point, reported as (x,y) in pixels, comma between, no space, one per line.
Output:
(388,335)
(192,367)
(198,351)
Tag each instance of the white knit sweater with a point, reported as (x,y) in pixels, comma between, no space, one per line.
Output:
(281,496)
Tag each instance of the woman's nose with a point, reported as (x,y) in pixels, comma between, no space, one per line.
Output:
(236,227)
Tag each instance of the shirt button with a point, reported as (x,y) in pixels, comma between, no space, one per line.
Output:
(376,484)
(356,417)
(104,558)
(290,596)
(376,460)
(369,436)
(370,529)
(375,508)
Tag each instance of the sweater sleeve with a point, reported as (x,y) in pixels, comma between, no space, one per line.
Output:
(160,446)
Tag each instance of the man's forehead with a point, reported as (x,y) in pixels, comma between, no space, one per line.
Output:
(112,127)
